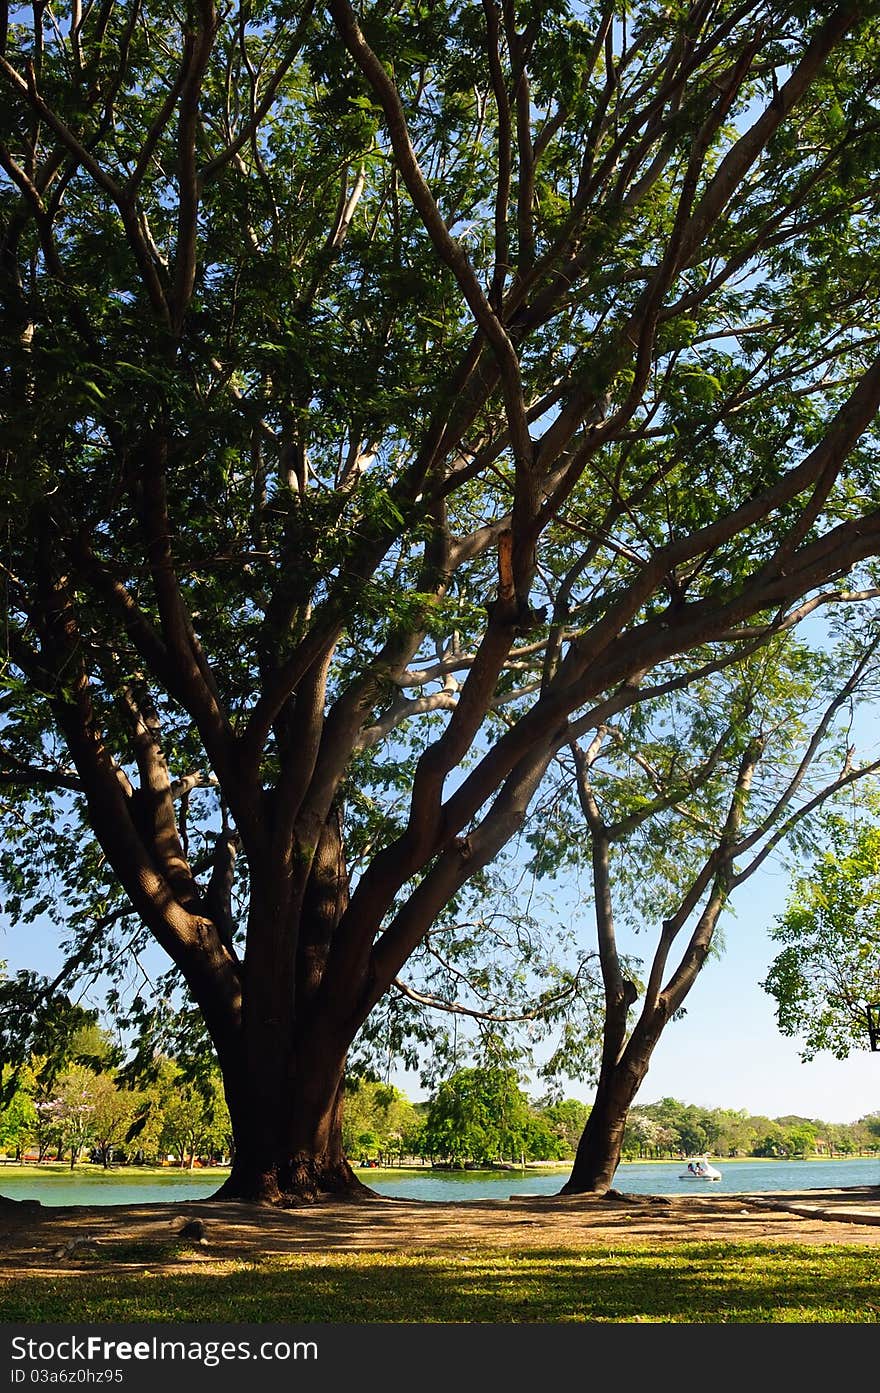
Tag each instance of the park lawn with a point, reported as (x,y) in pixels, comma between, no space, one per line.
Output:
(692,1283)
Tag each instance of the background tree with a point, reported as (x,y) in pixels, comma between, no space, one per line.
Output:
(800,1136)
(379,1122)
(683,800)
(70,1111)
(113,1111)
(143,1137)
(829,968)
(871,1124)
(387,405)
(641,1135)
(38,1020)
(85,1109)
(42,1035)
(18,1116)
(566,1118)
(735,1132)
(478,1115)
(194,1121)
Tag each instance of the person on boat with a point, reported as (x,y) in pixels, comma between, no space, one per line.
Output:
(692,1168)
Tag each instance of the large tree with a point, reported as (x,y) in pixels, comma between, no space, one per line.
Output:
(390,400)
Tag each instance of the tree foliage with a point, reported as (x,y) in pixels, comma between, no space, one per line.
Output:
(35,1019)
(670,1129)
(380,1123)
(482,1115)
(682,802)
(829,968)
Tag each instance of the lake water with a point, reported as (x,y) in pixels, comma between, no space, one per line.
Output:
(64,1187)
(657,1178)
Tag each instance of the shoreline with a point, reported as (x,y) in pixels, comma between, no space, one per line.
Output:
(86,1170)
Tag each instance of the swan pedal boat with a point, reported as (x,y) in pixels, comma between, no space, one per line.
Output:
(702,1171)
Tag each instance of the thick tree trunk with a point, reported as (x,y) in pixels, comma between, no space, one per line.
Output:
(284,1085)
(293,1153)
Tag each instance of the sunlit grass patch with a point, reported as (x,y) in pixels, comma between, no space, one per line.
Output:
(695,1283)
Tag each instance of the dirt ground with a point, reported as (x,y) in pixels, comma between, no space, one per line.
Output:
(43,1241)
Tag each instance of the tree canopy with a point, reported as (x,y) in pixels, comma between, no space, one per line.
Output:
(483,1115)
(35,1019)
(389,400)
(828,971)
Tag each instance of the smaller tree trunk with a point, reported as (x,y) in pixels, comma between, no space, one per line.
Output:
(600,1146)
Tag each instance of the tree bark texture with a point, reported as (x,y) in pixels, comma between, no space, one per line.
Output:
(284,1076)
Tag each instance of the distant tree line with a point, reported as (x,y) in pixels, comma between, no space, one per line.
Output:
(80,1103)
(671,1128)
(478,1116)
(482,1116)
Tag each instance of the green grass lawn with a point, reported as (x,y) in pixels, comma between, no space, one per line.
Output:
(693,1283)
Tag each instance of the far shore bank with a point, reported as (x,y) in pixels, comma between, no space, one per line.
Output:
(87,1170)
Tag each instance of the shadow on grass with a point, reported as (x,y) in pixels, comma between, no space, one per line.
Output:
(697,1283)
